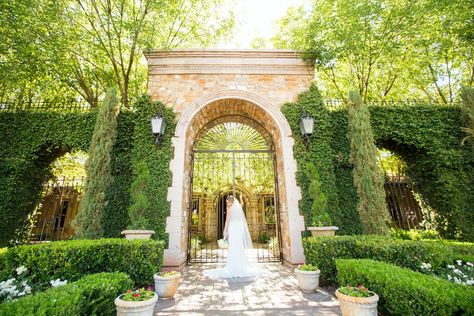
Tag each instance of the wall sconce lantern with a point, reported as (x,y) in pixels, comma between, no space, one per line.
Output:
(306,124)
(158,125)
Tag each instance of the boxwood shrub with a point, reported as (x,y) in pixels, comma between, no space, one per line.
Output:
(71,260)
(92,295)
(323,251)
(406,292)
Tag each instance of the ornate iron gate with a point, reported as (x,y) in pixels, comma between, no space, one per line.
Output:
(249,175)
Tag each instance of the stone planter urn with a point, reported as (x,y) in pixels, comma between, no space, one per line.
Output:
(166,285)
(138,234)
(357,306)
(323,230)
(135,308)
(308,281)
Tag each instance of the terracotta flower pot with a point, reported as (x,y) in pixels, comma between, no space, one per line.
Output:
(166,287)
(323,230)
(357,306)
(138,234)
(135,308)
(308,281)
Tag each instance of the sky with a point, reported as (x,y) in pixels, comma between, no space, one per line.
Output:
(257,18)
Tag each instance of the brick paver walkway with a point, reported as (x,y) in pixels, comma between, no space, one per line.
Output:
(274,293)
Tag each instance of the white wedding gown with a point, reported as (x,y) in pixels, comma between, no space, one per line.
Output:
(237,264)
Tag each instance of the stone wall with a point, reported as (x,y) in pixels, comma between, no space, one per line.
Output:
(180,77)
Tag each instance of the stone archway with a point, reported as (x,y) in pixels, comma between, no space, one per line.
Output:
(207,85)
(192,121)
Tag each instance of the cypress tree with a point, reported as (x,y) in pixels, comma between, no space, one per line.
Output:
(88,220)
(368,177)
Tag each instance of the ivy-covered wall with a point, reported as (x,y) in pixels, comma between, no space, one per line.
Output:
(324,150)
(157,159)
(428,139)
(32,140)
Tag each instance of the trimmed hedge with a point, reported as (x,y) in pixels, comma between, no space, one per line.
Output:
(91,295)
(71,260)
(406,292)
(323,251)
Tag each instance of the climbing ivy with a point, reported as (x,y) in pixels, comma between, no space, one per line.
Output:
(426,136)
(157,160)
(32,140)
(322,155)
(428,139)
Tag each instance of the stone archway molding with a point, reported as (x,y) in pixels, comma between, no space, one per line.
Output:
(175,254)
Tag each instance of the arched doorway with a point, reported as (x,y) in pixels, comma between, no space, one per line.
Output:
(231,156)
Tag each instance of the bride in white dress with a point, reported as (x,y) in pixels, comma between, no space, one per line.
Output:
(237,231)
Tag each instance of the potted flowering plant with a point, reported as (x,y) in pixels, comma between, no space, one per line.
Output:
(137,303)
(139,223)
(308,277)
(357,301)
(166,283)
(321,221)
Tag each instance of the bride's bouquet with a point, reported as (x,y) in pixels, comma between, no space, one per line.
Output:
(223,243)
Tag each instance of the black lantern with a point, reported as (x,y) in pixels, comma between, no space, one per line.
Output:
(306,124)
(158,125)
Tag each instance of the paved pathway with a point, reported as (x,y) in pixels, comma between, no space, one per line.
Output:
(274,293)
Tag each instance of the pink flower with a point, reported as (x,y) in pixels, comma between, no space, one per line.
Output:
(136,295)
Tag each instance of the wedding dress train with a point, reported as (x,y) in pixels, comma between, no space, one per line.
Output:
(240,242)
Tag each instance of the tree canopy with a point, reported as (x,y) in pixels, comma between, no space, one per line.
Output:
(387,48)
(76,49)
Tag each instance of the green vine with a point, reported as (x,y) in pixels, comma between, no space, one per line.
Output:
(30,142)
(321,154)
(157,161)
(428,139)
(39,138)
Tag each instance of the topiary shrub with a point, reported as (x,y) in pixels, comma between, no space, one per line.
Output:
(139,199)
(406,292)
(71,260)
(320,216)
(323,251)
(91,295)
